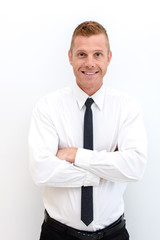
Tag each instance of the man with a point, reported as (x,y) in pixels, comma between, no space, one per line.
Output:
(86,142)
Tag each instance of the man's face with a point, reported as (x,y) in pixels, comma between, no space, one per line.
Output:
(90,59)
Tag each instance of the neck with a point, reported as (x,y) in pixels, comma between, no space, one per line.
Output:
(90,91)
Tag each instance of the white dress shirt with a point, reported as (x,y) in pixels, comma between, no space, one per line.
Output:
(119,154)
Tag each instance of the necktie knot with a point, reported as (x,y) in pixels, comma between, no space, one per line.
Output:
(89,102)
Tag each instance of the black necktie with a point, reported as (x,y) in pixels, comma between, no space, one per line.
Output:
(87,192)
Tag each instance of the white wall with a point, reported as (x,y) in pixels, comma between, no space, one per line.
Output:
(34,40)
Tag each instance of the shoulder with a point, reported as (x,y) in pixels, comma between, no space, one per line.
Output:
(112,92)
(54,99)
(119,95)
(122,99)
(55,96)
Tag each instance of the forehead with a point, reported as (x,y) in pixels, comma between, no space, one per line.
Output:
(98,41)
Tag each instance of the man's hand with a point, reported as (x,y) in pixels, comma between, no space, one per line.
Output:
(68,154)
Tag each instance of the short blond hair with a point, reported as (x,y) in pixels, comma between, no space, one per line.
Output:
(88,29)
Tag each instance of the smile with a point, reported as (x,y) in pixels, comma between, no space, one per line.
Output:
(89,73)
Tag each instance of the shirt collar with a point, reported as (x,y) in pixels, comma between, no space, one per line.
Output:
(81,96)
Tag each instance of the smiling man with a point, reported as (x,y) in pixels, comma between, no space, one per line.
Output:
(86,142)
(90,57)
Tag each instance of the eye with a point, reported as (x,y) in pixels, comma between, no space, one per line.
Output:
(81,54)
(98,54)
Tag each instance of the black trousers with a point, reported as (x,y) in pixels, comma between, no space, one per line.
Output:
(49,233)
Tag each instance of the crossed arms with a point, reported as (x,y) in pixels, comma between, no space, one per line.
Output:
(75,167)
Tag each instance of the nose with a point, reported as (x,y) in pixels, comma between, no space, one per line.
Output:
(89,62)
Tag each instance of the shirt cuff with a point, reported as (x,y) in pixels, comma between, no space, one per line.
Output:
(82,160)
(83,157)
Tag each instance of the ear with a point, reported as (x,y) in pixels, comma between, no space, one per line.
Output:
(109,58)
(70,57)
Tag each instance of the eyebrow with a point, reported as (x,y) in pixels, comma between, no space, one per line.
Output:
(83,50)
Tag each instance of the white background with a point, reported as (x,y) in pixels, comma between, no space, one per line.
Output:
(34,40)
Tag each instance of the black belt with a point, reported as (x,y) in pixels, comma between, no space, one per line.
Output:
(84,235)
